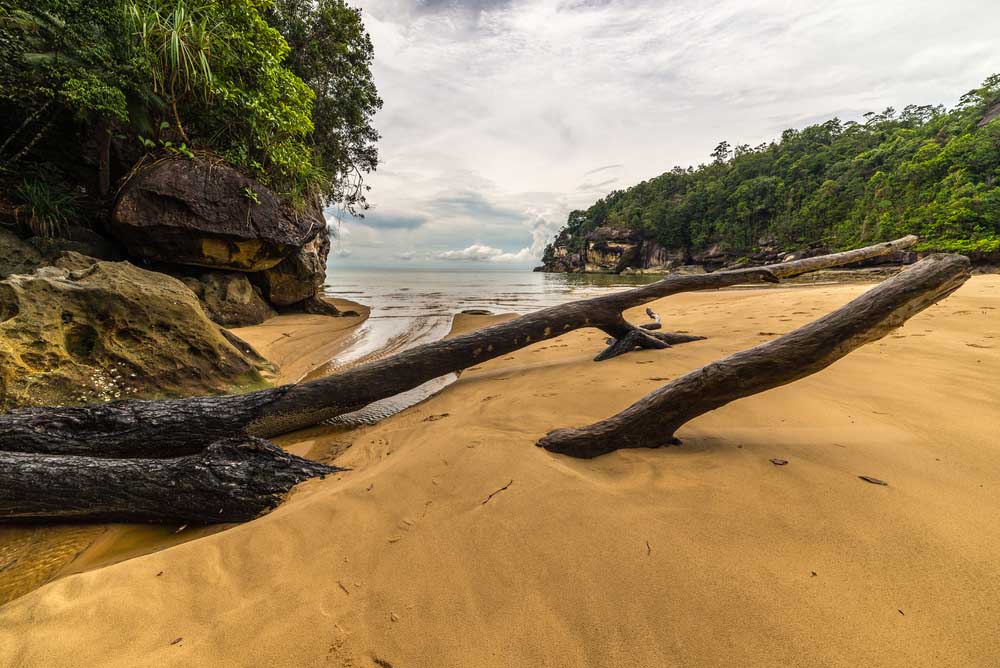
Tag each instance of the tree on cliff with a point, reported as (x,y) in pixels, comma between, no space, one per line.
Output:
(332,52)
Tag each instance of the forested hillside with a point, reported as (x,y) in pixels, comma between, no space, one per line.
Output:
(925,170)
(281,89)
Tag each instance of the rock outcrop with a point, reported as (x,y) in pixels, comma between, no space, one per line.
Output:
(229,299)
(86,330)
(610,250)
(623,251)
(300,276)
(78,239)
(991,113)
(206,213)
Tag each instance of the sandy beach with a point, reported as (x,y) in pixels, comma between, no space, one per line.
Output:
(454,541)
(30,556)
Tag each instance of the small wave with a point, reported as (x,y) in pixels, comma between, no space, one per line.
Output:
(404,316)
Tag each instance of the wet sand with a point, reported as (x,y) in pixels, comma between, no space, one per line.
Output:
(454,541)
(299,344)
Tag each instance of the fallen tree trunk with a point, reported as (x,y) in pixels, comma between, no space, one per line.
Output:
(653,420)
(171,427)
(230,481)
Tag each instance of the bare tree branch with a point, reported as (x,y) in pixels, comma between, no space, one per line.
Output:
(653,420)
(179,426)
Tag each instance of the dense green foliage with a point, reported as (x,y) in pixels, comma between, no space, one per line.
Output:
(925,171)
(88,87)
(331,52)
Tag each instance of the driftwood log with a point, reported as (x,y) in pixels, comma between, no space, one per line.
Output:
(182,426)
(202,459)
(653,420)
(229,481)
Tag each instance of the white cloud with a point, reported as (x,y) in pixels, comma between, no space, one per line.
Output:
(501,116)
(483,253)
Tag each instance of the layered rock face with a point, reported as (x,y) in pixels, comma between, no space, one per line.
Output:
(208,214)
(299,276)
(85,330)
(612,250)
(623,251)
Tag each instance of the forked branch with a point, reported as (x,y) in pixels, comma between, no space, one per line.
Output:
(653,420)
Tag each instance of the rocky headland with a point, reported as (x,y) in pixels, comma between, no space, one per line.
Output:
(620,250)
(134,305)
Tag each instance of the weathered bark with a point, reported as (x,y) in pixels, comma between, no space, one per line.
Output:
(652,421)
(156,428)
(230,481)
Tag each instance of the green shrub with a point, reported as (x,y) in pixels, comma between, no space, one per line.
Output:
(49,208)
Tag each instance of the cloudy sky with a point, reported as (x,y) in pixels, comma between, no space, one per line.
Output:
(501,116)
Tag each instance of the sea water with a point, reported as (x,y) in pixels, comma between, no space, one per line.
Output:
(411,307)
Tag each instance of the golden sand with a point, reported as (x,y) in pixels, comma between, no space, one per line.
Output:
(299,343)
(30,556)
(700,555)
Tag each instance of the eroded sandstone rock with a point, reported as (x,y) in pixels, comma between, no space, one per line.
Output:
(17,256)
(300,276)
(101,331)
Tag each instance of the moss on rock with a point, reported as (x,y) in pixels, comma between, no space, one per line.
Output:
(90,331)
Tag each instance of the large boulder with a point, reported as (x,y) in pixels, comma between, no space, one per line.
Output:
(206,213)
(91,331)
(229,298)
(300,276)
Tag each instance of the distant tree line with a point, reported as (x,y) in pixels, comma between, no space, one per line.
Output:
(925,170)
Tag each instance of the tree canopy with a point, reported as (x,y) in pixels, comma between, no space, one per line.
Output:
(180,76)
(925,170)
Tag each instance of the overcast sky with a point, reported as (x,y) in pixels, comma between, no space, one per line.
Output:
(501,116)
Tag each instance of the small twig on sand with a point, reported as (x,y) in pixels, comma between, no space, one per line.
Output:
(649,550)
(874,481)
(497,492)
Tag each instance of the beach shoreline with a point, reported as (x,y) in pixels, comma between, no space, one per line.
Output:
(707,554)
(31,556)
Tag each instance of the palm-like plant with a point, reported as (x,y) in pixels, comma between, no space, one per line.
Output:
(177,41)
(50,208)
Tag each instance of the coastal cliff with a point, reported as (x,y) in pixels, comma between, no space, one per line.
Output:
(836,185)
(611,250)
(621,251)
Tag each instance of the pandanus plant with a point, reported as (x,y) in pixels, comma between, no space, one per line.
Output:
(177,42)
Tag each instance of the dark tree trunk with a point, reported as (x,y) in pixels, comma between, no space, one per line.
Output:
(180,426)
(103,158)
(230,481)
(652,421)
